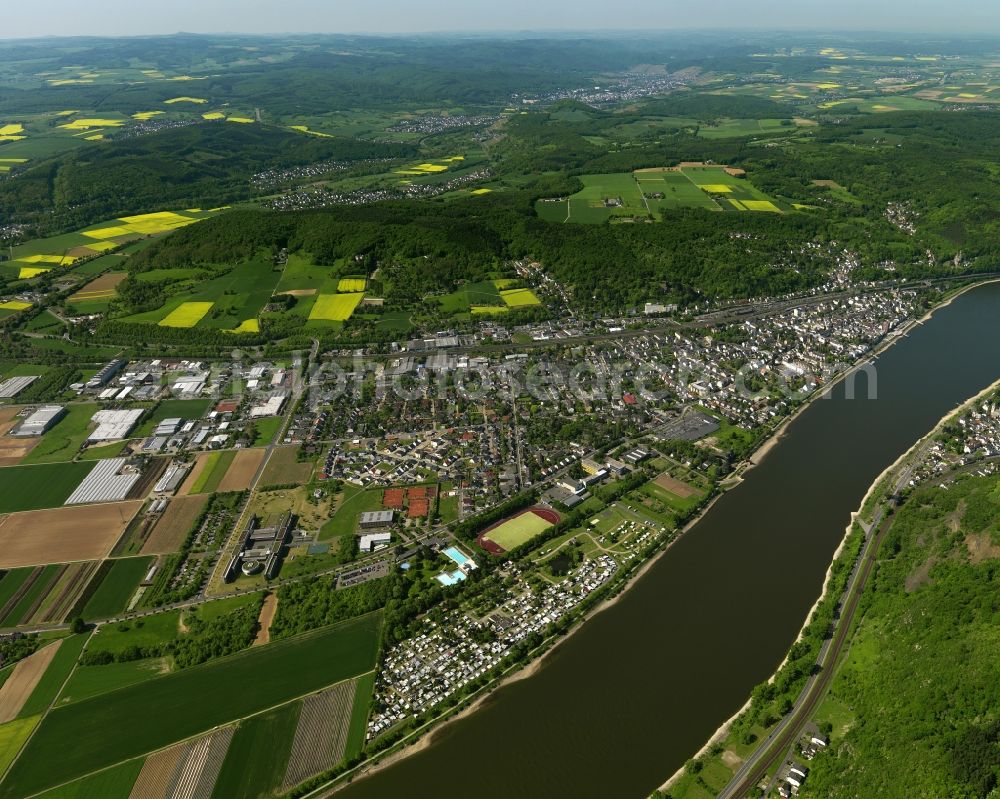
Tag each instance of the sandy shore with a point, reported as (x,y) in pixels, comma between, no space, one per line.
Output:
(427,738)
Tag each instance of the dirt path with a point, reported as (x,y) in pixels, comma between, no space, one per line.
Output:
(267,611)
(22,681)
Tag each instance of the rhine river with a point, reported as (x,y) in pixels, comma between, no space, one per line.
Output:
(637,690)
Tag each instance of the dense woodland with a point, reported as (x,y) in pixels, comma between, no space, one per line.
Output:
(921,682)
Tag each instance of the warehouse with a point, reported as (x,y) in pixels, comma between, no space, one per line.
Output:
(109,481)
(40,421)
(13,386)
(171,479)
(106,373)
(114,425)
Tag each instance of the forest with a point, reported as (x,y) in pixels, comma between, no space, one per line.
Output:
(920,686)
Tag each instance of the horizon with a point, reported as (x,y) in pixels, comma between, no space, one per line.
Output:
(103,19)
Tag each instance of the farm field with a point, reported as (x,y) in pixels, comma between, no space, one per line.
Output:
(88,681)
(267,428)
(50,593)
(285,467)
(41,255)
(216,464)
(23,681)
(60,535)
(13,734)
(146,716)
(334,307)
(117,587)
(31,585)
(42,486)
(223,302)
(320,738)
(113,783)
(174,524)
(258,755)
(55,675)
(687,186)
(242,470)
(97,294)
(513,532)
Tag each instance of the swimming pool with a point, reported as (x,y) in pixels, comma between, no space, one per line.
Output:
(455,554)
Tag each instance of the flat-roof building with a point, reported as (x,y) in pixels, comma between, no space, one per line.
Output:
(372,541)
(40,421)
(376,518)
(13,386)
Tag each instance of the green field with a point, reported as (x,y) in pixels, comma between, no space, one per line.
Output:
(267,428)
(236,295)
(88,681)
(11,581)
(483,294)
(13,734)
(519,530)
(113,783)
(360,711)
(258,755)
(63,441)
(143,717)
(42,486)
(148,631)
(708,187)
(55,675)
(116,589)
(214,471)
(345,519)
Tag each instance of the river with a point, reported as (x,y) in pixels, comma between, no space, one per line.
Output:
(632,694)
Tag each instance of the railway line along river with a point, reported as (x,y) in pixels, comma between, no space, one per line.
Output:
(620,705)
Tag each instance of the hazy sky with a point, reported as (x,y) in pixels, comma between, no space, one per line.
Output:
(124,17)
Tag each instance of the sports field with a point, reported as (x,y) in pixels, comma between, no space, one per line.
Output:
(335,307)
(517,530)
(143,717)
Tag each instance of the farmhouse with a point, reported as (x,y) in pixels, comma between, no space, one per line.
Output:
(40,421)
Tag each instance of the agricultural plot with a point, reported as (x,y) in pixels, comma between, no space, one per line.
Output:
(519,298)
(60,589)
(517,530)
(34,257)
(223,302)
(320,740)
(334,307)
(144,717)
(242,470)
(113,783)
(116,588)
(97,294)
(352,284)
(28,594)
(13,734)
(658,190)
(62,535)
(88,681)
(23,681)
(55,675)
(213,468)
(43,486)
(174,524)
(285,467)
(258,756)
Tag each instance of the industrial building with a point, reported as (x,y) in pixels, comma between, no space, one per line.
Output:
(171,479)
(41,420)
(13,386)
(114,425)
(109,481)
(376,518)
(106,373)
(272,407)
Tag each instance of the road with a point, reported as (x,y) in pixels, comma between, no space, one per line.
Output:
(784,735)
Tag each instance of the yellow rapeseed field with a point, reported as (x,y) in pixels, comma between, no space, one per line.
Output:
(187,314)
